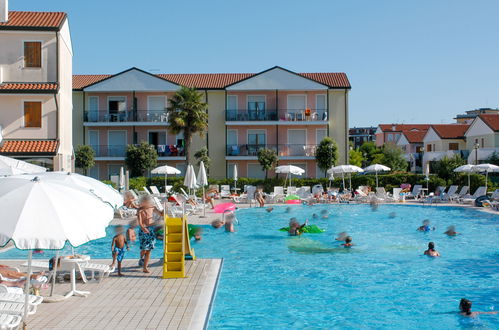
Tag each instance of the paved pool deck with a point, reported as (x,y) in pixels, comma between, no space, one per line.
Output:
(134,301)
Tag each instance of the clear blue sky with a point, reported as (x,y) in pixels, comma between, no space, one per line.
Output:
(408,61)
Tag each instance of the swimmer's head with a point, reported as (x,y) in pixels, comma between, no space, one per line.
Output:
(217,223)
(323,212)
(465,306)
(119,229)
(288,209)
(426,222)
(315,215)
(348,239)
(451,228)
(431,246)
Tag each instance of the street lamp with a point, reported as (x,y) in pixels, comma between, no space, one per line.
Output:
(476,147)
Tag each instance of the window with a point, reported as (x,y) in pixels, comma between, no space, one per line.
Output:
(483,143)
(256,137)
(93,108)
(182,168)
(32,54)
(32,114)
(454,146)
(113,169)
(256,102)
(389,138)
(255,171)
(117,104)
(428,147)
(231,102)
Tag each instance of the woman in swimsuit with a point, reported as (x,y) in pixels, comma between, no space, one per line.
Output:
(259,196)
(431,252)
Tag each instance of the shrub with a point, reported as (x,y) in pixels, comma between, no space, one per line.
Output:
(140,158)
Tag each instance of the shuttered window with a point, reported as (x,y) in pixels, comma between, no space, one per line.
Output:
(32,114)
(32,54)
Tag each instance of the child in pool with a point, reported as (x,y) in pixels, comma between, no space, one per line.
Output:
(295,229)
(426,226)
(130,233)
(465,309)
(348,242)
(342,236)
(324,214)
(118,248)
(451,231)
(431,252)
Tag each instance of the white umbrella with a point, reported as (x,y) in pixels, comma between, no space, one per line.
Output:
(190,178)
(165,169)
(105,192)
(377,168)
(202,181)
(331,179)
(468,168)
(289,170)
(11,166)
(122,179)
(234,177)
(345,169)
(44,214)
(486,168)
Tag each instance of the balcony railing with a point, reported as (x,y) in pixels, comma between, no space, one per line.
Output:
(281,149)
(163,150)
(276,115)
(105,116)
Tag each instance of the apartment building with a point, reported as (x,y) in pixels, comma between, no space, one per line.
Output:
(470,115)
(278,109)
(36,87)
(482,137)
(359,135)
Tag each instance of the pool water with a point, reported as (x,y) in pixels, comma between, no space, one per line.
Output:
(270,280)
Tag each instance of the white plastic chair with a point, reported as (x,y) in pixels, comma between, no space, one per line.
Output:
(9,321)
(225,191)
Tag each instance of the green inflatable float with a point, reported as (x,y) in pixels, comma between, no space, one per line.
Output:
(310,229)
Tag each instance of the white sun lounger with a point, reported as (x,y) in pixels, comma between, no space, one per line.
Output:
(450,193)
(480,191)
(20,298)
(9,321)
(9,307)
(414,194)
(225,191)
(103,270)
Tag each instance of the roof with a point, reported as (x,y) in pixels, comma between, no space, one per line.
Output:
(217,80)
(29,146)
(28,87)
(414,136)
(450,131)
(32,20)
(492,120)
(403,127)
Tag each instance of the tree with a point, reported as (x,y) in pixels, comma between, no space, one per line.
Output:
(393,157)
(188,114)
(355,157)
(84,158)
(140,158)
(326,154)
(202,156)
(444,168)
(369,150)
(494,159)
(267,159)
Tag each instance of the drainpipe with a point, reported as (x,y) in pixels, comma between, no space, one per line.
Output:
(57,123)
(346,128)
(327,111)
(84,107)
(208,112)
(276,125)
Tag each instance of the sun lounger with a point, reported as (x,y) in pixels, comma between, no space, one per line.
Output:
(225,191)
(480,191)
(20,298)
(414,194)
(291,190)
(304,192)
(277,196)
(433,198)
(9,321)
(382,195)
(155,191)
(450,193)
(250,194)
(101,269)
(16,308)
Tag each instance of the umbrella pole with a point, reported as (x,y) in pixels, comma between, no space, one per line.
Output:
(350,181)
(376,179)
(486,179)
(165,181)
(204,204)
(54,272)
(343,179)
(26,289)
(469,180)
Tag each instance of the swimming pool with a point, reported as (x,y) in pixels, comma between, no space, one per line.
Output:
(270,280)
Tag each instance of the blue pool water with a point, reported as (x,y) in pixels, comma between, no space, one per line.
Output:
(270,280)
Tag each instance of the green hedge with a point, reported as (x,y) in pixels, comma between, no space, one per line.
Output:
(389,181)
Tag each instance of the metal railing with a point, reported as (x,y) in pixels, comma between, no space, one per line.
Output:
(297,150)
(277,115)
(164,150)
(104,116)
(281,149)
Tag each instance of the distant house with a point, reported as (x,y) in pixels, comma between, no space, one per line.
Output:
(359,135)
(444,140)
(483,134)
(470,115)
(411,142)
(390,133)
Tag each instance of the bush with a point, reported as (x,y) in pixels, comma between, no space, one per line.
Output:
(111,183)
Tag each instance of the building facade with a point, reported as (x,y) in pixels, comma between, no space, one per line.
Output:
(359,135)
(470,115)
(482,138)
(277,109)
(444,140)
(36,87)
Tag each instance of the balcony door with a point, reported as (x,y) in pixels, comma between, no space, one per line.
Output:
(256,140)
(296,107)
(93,141)
(117,143)
(232,147)
(256,107)
(156,106)
(297,140)
(116,108)
(158,139)
(93,109)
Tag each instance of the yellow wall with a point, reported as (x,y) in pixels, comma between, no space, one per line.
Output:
(338,122)
(78,129)
(216,133)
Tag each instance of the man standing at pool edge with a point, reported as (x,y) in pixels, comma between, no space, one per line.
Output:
(147,237)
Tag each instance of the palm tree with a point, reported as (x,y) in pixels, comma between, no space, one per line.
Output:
(187,113)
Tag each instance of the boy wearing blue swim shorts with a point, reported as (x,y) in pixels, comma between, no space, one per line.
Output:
(118,248)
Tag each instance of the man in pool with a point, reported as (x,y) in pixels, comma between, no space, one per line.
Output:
(342,236)
(451,231)
(269,209)
(147,236)
(295,229)
(465,309)
(348,242)
(324,214)
(426,226)
(431,252)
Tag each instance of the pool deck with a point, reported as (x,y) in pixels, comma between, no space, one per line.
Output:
(135,301)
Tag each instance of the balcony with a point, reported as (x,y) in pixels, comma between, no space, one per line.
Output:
(119,151)
(283,150)
(282,115)
(128,116)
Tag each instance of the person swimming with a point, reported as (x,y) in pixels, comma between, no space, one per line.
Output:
(426,226)
(217,223)
(315,216)
(288,209)
(269,209)
(451,231)
(324,214)
(465,309)
(392,215)
(295,229)
(342,236)
(348,242)
(431,252)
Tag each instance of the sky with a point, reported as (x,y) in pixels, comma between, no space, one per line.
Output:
(408,61)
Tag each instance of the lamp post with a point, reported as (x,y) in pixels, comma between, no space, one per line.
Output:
(476,147)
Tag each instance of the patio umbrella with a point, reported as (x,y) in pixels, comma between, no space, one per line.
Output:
(234,177)
(165,169)
(45,214)
(289,170)
(331,179)
(377,168)
(11,166)
(122,179)
(202,181)
(345,169)
(468,168)
(190,178)
(486,168)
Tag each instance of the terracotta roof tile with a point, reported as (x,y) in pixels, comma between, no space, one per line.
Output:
(217,80)
(29,146)
(450,131)
(28,87)
(492,120)
(415,136)
(33,20)
(404,127)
